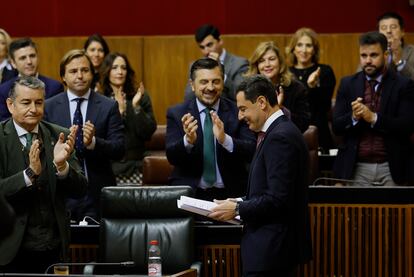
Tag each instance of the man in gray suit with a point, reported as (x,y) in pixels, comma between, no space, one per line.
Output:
(211,46)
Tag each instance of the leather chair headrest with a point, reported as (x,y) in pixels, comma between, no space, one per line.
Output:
(143,202)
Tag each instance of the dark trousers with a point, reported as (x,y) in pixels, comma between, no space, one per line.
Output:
(31,262)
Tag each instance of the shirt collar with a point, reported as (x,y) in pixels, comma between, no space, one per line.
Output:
(21,131)
(222,56)
(271,119)
(201,106)
(378,79)
(72,96)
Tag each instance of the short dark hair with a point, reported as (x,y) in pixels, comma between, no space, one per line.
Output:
(258,85)
(371,38)
(205,63)
(20,43)
(394,15)
(69,56)
(97,38)
(27,81)
(206,30)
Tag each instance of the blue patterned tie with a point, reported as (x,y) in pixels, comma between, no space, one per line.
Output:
(209,157)
(78,120)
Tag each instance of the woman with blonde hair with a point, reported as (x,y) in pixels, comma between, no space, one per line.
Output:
(267,60)
(7,72)
(304,51)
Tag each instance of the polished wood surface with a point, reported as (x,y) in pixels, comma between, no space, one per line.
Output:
(162,62)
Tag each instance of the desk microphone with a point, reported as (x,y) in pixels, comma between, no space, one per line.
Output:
(126,264)
(375,183)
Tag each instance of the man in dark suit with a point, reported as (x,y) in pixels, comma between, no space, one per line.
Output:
(374,113)
(211,46)
(210,159)
(23,54)
(275,210)
(101,138)
(37,172)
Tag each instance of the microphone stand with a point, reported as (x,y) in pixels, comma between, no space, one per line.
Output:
(92,264)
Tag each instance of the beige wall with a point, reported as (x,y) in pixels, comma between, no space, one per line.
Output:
(162,62)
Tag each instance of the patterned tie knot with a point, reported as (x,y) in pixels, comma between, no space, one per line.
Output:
(29,140)
(373,84)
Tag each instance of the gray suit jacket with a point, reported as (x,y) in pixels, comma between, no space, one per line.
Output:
(408,56)
(234,67)
(13,186)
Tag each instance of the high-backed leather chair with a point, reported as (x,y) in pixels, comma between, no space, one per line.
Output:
(311,138)
(156,145)
(133,216)
(156,170)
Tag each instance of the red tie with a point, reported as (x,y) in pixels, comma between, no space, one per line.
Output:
(260,137)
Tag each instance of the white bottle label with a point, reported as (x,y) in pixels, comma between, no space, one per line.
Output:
(154,269)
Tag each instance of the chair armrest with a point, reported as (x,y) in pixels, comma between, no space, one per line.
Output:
(186,273)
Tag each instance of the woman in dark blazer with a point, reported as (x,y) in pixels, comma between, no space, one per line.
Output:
(318,78)
(292,95)
(118,81)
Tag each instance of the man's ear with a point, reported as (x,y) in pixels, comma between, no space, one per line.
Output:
(10,105)
(261,101)
(13,63)
(192,85)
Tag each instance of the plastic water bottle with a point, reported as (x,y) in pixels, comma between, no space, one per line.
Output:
(154,259)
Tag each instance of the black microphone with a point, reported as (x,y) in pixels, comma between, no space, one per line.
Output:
(374,183)
(126,264)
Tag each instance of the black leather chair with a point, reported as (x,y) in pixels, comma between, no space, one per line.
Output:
(133,216)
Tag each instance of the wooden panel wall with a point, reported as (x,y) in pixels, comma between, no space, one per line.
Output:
(162,62)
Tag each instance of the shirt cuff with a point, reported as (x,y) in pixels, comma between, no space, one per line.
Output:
(354,121)
(188,146)
(228,143)
(27,180)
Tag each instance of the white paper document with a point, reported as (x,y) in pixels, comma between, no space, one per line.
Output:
(201,207)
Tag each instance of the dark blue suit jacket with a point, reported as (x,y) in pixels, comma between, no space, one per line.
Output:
(275,210)
(52,88)
(104,114)
(188,167)
(395,123)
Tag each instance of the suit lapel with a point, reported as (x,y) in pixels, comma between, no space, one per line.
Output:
(93,108)
(259,148)
(193,110)
(359,86)
(13,145)
(228,63)
(62,104)
(386,90)
(49,144)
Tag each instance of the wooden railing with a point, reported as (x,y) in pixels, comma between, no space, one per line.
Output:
(349,239)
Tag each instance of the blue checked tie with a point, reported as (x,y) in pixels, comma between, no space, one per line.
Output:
(78,120)
(209,157)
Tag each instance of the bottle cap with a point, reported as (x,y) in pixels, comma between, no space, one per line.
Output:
(154,242)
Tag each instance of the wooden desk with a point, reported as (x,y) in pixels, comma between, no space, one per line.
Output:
(355,231)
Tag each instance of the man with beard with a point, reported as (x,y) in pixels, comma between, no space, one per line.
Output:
(207,144)
(374,113)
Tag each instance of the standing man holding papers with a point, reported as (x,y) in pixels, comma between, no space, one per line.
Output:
(275,210)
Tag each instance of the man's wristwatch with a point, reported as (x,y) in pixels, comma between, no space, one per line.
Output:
(236,210)
(31,174)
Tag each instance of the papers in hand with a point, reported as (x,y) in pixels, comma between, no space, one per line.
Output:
(201,207)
